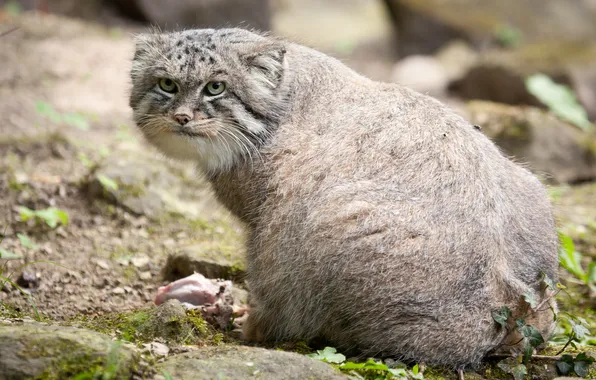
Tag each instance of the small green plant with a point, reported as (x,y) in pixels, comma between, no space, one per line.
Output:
(570,259)
(508,35)
(580,364)
(107,183)
(371,369)
(560,99)
(531,337)
(73,119)
(51,216)
(26,242)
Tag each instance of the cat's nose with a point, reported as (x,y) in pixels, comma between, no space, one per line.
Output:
(182,118)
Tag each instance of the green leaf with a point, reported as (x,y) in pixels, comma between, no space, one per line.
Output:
(52,216)
(107,182)
(565,364)
(580,331)
(46,109)
(581,368)
(560,99)
(415,369)
(398,372)
(501,316)
(7,255)
(534,337)
(26,213)
(26,242)
(548,281)
(569,258)
(511,366)
(508,35)
(329,355)
(530,299)
(76,120)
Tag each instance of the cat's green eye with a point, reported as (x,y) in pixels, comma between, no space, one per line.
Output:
(215,88)
(168,85)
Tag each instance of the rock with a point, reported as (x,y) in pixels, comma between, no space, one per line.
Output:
(241,362)
(552,148)
(33,350)
(423,25)
(421,73)
(141,262)
(499,74)
(211,259)
(148,186)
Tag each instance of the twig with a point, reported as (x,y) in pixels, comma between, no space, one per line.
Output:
(460,374)
(567,344)
(9,31)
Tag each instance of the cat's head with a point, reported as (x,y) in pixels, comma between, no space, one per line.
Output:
(210,96)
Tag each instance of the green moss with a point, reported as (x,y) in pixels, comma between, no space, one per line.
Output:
(9,312)
(146,325)
(85,364)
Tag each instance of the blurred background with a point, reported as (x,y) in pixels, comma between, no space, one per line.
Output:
(80,188)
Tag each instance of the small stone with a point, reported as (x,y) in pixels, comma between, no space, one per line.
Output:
(141,262)
(102,264)
(128,289)
(143,233)
(168,243)
(118,290)
(28,280)
(157,349)
(145,276)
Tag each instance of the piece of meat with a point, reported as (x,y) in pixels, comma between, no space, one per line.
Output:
(194,290)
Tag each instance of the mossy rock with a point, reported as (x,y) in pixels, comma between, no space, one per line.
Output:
(242,362)
(169,322)
(54,352)
(552,148)
(575,208)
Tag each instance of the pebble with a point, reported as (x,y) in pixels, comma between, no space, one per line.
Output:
(157,349)
(145,276)
(141,262)
(118,290)
(102,264)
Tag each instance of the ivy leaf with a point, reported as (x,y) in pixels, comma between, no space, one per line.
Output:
(532,334)
(329,355)
(510,365)
(565,364)
(580,331)
(548,281)
(530,299)
(501,316)
(582,364)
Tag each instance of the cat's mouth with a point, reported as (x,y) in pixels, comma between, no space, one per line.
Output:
(204,132)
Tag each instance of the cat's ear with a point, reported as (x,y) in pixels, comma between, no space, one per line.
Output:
(144,42)
(267,64)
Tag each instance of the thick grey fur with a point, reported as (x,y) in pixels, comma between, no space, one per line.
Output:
(377,218)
